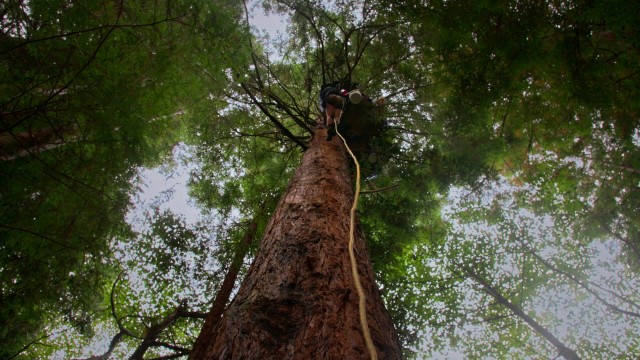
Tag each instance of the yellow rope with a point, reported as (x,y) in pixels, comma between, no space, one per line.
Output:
(354,266)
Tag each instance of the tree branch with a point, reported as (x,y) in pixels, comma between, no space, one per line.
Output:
(563,350)
(576,281)
(43,237)
(112,346)
(152,333)
(378,190)
(26,347)
(113,309)
(193,314)
(78,32)
(275,121)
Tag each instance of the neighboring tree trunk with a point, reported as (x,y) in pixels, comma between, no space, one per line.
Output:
(298,299)
(224,293)
(563,350)
(27,143)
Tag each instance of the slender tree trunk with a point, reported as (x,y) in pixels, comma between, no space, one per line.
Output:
(222,297)
(563,350)
(298,299)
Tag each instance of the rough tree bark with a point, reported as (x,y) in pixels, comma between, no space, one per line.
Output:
(298,300)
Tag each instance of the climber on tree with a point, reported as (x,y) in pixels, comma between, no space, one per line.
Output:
(332,100)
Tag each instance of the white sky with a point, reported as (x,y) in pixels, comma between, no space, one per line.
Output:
(272,24)
(166,187)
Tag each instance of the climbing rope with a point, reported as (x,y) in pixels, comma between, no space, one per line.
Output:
(354,266)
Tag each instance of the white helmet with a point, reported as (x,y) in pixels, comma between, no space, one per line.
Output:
(355,96)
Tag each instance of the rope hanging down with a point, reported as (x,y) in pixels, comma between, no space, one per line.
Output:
(354,266)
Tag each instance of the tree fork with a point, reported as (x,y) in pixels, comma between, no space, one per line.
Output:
(297,300)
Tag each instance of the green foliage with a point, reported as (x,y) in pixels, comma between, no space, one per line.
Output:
(111,80)
(530,104)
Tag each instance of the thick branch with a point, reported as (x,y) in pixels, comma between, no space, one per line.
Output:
(170,346)
(288,111)
(44,237)
(280,103)
(193,315)
(26,143)
(152,333)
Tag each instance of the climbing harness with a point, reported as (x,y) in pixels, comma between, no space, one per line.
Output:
(354,266)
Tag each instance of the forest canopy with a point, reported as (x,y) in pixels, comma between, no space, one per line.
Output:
(499,192)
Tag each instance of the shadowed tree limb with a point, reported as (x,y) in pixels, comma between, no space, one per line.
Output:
(586,287)
(373,191)
(41,236)
(24,348)
(283,129)
(97,28)
(563,350)
(291,108)
(152,333)
(112,346)
(113,309)
(281,104)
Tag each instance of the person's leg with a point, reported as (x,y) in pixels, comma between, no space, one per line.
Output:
(335,103)
(328,115)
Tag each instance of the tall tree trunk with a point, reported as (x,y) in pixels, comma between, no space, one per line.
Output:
(298,300)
